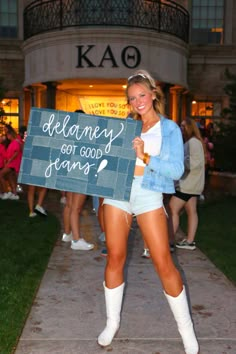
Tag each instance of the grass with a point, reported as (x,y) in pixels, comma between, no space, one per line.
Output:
(216,234)
(26,245)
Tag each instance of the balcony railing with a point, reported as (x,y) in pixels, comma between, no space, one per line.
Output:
(161,16)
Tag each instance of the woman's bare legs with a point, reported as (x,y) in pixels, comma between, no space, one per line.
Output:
(12,179)
(30,198)
(101,214)
(4,178)
(3,186)
(153,226)
(71,219)
(77,203)
(117,226)
(41,195)
(66,213)
(174,209)
(191,210)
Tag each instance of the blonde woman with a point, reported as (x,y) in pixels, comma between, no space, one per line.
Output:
(159,152)
(191,184)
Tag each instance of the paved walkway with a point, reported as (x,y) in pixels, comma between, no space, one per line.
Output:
(69,310)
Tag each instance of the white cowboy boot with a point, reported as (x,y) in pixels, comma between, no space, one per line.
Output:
(113,299)
(180,310)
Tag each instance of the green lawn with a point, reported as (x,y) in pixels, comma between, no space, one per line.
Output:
(216,234)
(26,245)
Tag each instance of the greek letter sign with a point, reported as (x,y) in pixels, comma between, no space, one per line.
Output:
(80,153)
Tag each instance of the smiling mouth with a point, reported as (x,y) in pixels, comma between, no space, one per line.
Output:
(141,107)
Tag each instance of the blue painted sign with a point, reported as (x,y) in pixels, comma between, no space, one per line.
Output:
(82,153)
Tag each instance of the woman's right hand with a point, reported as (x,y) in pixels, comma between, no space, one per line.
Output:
(138,146)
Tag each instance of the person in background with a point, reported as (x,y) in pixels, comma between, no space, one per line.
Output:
(98,210)
(21,138)
(22,133)
(102,236)
(190,185)
(159,152)
(209,157)
(12,164)
(71,215)
(67,235)
(32,190)
(201,125)
(38,208)
(3,150)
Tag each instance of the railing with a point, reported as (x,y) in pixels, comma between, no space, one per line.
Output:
(162,16)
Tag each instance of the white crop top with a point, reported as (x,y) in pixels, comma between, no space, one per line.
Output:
(152,142)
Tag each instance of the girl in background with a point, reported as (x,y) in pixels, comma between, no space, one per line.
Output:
(3,185)
(191,184)
(12,164)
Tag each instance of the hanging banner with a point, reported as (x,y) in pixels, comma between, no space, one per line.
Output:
(105,106)
(81,153)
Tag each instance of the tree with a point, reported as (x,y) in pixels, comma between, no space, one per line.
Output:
(225,136)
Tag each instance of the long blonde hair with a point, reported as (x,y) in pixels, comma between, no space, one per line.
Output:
(191,131)
(144,78)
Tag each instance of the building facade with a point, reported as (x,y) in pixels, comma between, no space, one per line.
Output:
(77,54)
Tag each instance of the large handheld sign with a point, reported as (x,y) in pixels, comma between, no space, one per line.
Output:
(80,153)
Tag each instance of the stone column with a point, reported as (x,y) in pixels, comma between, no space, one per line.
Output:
(177,103)
(51,94)
(166,92)
(188,105)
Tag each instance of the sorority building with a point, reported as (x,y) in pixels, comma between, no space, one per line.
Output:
(78,54)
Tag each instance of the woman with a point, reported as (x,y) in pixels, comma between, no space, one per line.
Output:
(191,184)
(3,149)
(159,161)
(12,164)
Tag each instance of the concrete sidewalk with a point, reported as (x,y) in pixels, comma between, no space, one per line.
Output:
(68,312)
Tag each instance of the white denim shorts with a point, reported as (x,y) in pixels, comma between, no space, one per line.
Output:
(141,200)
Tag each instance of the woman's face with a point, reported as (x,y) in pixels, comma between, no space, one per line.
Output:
(9,136)
(140,98)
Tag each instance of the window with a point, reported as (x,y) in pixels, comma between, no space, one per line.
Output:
(205,109)
(207,21)
(8,19)
(9,112)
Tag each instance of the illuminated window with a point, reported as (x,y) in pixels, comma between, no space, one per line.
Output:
(205,109)
(9,112)
(207,21)
(8,19)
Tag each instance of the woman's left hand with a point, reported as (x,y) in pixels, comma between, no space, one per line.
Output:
(138,146)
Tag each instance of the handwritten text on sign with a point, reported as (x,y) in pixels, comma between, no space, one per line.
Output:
(80,153)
